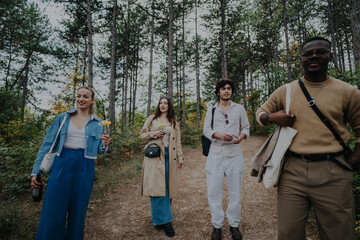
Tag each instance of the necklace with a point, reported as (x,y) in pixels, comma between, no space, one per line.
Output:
(313,97)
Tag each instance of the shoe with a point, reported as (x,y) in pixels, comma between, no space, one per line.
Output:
(235,233)
(169,230)
(216,234)
(159,227)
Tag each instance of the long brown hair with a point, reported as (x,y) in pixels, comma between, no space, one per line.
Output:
(170,113)
(93,105)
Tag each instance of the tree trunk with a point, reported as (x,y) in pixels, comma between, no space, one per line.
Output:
(183,69)
(288,62)
(135,82)
(113,72)
(243,87)
(126,73)
(90,43)
(177,79)
(125,87)
(299,31)
(333,40)
(131,90)
(197,70)
(25,83)
(9,62)
(342,56)
(355,26)
(170,50)
(148,110)
(348,52)
(338,44)
(84,78)
(223,39)
(250,59)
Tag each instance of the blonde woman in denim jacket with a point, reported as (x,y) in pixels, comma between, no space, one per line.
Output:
(71,179)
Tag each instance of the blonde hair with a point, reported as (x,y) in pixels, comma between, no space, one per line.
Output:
(93,105)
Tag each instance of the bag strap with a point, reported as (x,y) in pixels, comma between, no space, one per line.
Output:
(156,145)
(288,90)
(311,103)
(61,125)
(212,118)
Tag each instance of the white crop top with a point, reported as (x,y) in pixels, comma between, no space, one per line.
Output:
(75,138)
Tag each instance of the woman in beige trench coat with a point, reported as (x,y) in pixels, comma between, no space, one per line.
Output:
(159,174)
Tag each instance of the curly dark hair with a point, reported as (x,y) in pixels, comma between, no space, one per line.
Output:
(221,83)
(171,111)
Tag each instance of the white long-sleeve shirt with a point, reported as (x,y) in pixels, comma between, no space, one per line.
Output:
(238,124)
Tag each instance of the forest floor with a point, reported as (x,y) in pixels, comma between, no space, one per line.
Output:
(125,213)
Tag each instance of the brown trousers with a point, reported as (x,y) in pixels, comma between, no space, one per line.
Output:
(327,188)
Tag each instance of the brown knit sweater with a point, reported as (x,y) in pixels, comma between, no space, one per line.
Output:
(337,100)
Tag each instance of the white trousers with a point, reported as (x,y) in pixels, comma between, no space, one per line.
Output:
(217,167)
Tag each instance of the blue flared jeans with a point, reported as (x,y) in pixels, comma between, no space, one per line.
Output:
(161,206)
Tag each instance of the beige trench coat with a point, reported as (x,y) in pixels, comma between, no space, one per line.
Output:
(153,170)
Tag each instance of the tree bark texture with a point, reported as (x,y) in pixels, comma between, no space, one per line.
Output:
(183,70)
(332,31)
(90,44)
(148,109)
(25,87)
(355,26)
(113,71)
(288,62)
(223,39)
(197,70)
(170,50)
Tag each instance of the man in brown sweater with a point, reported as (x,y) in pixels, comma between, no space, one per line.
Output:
(315,172)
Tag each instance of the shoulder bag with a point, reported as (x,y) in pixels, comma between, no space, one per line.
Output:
(48,160)
(205,142)
(347,152)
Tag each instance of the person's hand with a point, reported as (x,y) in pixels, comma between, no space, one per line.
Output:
(354,159)
(35,184)
(282,119)
(224,137)
(159,134)
(105,139)
(354,162)
(239,138)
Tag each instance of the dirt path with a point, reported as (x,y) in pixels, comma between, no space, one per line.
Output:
(126,214)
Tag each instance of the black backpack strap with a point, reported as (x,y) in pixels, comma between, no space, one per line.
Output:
(311,103)
(212,118)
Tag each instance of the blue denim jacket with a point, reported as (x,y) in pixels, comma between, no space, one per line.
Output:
(93,129)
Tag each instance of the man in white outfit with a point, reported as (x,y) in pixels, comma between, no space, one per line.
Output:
(225,159)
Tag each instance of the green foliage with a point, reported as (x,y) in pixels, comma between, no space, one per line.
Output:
(127,143)
(191,136)
(18,155)
(10,223)
(15,168)
(350,77)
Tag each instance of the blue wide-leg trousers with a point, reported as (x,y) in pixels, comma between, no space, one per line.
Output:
(67,196)
(161,206)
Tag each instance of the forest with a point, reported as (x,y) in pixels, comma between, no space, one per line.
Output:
(132,52)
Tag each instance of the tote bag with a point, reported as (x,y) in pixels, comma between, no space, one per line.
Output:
(272,159)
